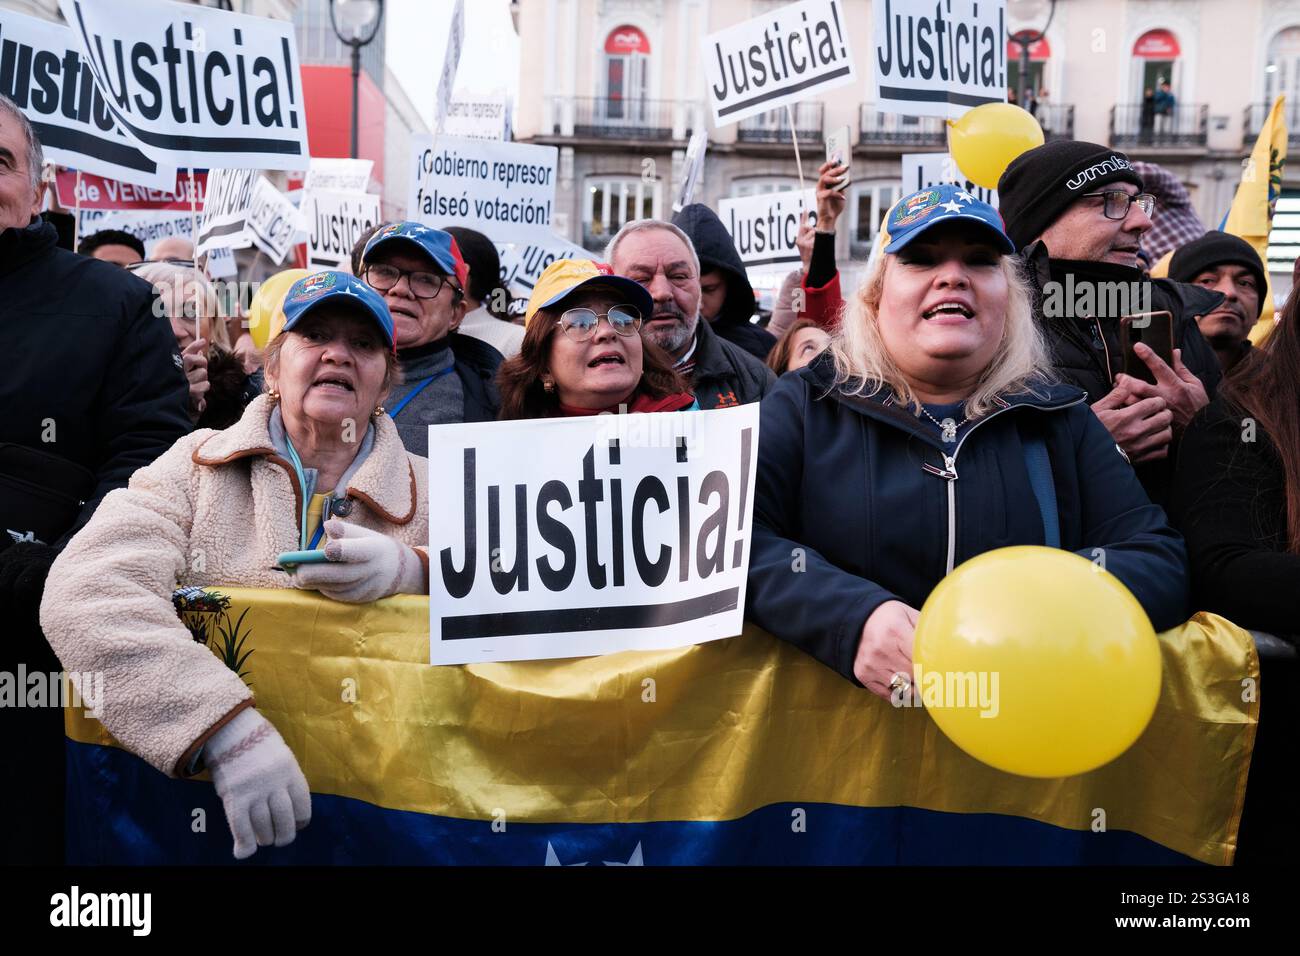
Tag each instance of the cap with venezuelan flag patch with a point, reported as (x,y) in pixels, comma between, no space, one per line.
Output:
(563,277)
(437,245)
(922,210)
(339,290)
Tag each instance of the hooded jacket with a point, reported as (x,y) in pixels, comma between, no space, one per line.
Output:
(724,373)
(716,251)
(907,508)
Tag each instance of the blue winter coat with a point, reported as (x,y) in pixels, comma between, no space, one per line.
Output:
(866,498)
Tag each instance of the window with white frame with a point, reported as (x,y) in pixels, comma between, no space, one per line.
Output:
(612,201)
(761,185)
(868,203)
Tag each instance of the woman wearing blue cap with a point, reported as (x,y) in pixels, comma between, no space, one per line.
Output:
(315,463)
(927,434)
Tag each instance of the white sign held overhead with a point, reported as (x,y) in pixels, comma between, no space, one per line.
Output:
(335,221)
(225,210)
(939,59)
(150,226)
(921,170)
(338,175)
(692,166)
(764,228)
(450,64)
(272,220)
(477,117)
(521,264)
(220,264)
(792,53)
(504,190)
(628,532)
(45,75)
(196,86)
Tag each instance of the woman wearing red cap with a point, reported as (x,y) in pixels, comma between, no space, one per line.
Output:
(583,353)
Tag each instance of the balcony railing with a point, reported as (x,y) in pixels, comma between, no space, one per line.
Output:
(1136,124)
(890,129)
(1257,113)
(774,125)
(619,118)
(1056,119)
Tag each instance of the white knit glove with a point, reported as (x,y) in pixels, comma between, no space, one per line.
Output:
(363,566)
(260,784)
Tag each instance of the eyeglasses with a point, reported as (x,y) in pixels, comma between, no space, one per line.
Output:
(1117,202)
(423,285)
(580,324)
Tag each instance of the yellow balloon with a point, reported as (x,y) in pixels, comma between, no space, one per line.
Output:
(1036,661)
(987,138)
(265,319)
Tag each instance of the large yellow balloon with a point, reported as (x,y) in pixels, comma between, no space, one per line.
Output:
(1037,662)
(987,138)
(265,319)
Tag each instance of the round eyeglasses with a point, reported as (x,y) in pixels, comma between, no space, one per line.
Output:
(580,324)
(1116,203)
(423,285)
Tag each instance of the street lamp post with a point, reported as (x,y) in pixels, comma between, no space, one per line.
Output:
(360,23)
(1029,9)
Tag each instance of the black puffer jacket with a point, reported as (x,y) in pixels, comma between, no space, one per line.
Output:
(716,251)
(1086,352)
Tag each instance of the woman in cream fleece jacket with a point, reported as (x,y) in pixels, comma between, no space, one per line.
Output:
(217,509)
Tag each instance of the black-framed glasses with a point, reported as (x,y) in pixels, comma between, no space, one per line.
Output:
(1116,202)
(424,285)
(580,324)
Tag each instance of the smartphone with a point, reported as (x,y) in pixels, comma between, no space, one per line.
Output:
(293,558)
(1155,330)
(839,148)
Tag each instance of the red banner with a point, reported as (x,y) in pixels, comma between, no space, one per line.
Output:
(100,193)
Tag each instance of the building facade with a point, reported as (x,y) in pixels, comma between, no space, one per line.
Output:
(618,86)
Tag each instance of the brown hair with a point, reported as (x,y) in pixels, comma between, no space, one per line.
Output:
(779,358)
(1266,386)
(519,380)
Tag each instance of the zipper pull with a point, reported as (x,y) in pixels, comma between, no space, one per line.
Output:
(948,472)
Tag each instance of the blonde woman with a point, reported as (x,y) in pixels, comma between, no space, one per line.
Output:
(925,435)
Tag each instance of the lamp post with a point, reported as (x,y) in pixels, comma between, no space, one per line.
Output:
(360,21)
(1028,10)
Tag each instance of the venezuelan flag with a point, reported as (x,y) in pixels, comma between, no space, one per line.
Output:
(737,751)
(1251,214)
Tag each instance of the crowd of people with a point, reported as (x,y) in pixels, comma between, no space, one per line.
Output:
(947,406)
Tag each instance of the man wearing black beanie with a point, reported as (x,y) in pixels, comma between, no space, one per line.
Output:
(1228,264)
(1077,213)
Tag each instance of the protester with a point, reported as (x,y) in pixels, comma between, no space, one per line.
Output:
(1177,223)
(583,353)
(726,297)
(1230,265)
(932,406)
(359,247)
(112,245)
(449,377)
(173,249)
(1077,212)
(486,300)
(660,257)
(279,480)
(92,391)
(800,344)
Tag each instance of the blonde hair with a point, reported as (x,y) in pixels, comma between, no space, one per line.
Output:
(863,366)
(171,280)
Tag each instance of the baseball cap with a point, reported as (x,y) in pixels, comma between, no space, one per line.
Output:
(563,277)
(926,208)
(341,290)
(437,245)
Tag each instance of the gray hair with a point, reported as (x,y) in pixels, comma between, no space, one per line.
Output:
(35,155)
(639,225)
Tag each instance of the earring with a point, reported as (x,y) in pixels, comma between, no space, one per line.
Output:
(548,385)
(378,412)
(274,395)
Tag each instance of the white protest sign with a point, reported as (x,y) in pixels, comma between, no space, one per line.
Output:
(335,221)
(338,175)
(935,59)
(149,226)
(44,74)
(792,53)
(764,228)
(521,263)
(476,117)
(196,86)
(921,170)
(272,220)
(691,167)
(624,532)
(450,64)
(220,264)
(504,190)
(225,210)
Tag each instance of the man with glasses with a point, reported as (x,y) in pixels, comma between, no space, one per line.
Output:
(1077,211)
(447,377)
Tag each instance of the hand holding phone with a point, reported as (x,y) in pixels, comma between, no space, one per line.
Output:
(839,149)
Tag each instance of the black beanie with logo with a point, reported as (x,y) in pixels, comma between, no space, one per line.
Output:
(1043,182)
(1217,249)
